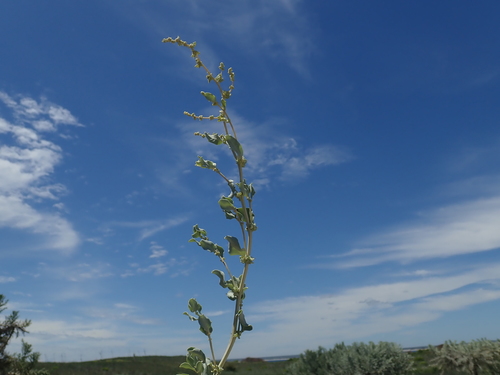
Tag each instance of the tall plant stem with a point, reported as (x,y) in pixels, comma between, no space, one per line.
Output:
(237,307)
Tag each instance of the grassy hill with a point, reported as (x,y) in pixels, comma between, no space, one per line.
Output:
(163,365)
(153,365)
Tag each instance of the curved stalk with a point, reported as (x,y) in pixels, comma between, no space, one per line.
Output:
(243,215)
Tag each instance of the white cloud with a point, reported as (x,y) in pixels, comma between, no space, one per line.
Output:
(27,161)
(74,275)
(276,29)
(159,267)
(417,273)
(279,28)
(120,312)
(356,313)
(6,279)
(57,328)
(161,226)
(124,306)
(270,151)
(462,228)
(157,250)
(312,158)
(58,232)
(149,227)
(458,301)
(43,115)
(104,333)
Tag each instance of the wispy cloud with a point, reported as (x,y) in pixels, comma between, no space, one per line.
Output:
(262,29)
(120,312)
(298,162)
(356,313)
(76,273)
(462,228)
(159,267)
(148,228)
(27,161)
(42,115)
(161,226)
(157,251)
(280,29)
(101,332)
(54,328)
(271,152)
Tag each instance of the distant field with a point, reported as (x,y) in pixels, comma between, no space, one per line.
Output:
(153,365)
(163,365)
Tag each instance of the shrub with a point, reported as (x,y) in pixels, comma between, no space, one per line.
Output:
(23,363)
(383,358)
(475,357)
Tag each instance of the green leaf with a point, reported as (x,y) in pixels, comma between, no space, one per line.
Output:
(187,366)
(242,216)
(202,163)
(247,190)
(214,138)
(226,203)
(205,324)
(210,97)
(235,146)
(244,325)
(200,368)
(252,191)
(196,354)
(207,245)
(212,247)
(192,360)
(194,306)
(198,232)
(234,246)
(221,276)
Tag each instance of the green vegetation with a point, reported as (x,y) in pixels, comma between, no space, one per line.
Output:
(475,358)
(357,359)
(421,363)
(19,364)
(383,358)
(154,365)
(237,206)
(24,363)
(478,357)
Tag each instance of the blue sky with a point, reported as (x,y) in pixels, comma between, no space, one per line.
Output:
(373,139)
